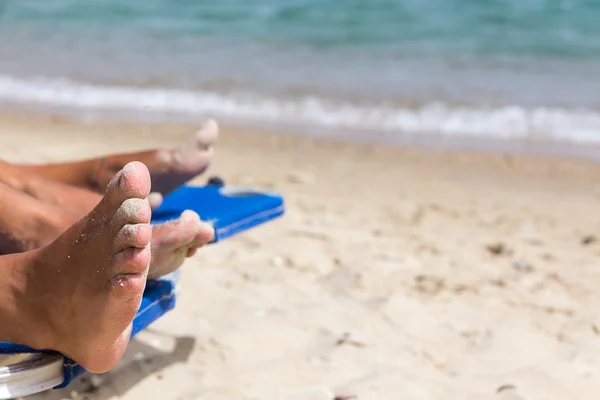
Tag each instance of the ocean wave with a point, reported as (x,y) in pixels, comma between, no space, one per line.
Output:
(436,118)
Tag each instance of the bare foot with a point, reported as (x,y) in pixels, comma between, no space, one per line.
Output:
(169,168)
(174,167)
(79,294)
(32,224)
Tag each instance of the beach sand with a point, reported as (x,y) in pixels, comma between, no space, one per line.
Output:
(395,274)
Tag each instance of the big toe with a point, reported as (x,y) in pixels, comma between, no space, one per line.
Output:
(132,182)
(200,232)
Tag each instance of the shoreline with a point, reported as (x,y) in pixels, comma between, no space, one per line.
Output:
(463,161)
(538,147)
(586,153)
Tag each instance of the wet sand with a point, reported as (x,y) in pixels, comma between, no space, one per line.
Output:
(396,274)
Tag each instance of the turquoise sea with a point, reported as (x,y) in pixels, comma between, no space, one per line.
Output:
(524,69)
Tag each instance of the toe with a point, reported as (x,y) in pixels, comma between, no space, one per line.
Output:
(133,211)
(188,217)
(177,233)
(205,235)
(131,261)
(128,288)
(202,232)
(198,232)
(155,199)
(133,181)
(133,235)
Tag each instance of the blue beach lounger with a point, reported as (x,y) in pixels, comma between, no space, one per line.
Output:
(25,371)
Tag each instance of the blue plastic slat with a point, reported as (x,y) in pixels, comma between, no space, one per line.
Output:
(229,214)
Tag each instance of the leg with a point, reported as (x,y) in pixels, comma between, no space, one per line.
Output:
(169,168)
(27,224)
(51,192)
(79,294)
(56,193)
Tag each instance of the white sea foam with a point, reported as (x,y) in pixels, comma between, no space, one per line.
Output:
(501,122)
